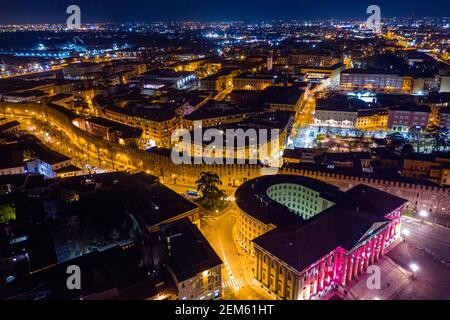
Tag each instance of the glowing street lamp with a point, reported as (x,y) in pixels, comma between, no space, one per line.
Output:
(423,214)
(405,233)
(414,268)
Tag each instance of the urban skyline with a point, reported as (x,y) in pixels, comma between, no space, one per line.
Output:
(25,11)
(303,158)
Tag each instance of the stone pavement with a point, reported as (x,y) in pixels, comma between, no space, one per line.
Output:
(393,280)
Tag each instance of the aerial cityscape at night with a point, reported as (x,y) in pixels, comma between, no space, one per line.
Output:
(238,151)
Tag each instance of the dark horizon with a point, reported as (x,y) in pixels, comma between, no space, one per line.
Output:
(52,11)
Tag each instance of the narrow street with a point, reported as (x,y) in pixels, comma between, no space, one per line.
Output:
(236,274)
(431,238)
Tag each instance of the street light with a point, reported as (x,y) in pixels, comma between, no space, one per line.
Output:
(423,214)
(405,233)
(414,268)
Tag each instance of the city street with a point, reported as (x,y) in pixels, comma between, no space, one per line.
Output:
(432,281)
(431,238)
(307,115)
(394,279)
(236,274)
(416,268)
(426,249)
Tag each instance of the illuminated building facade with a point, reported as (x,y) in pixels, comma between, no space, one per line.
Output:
(252,81)
(335,116)
(176,79)
(372,119)
(312,238)
(110,130)
(242,142)
(433,167)
(158,123)
(220,81)
(318,72)
(402,118)
(379,81)
(444,117)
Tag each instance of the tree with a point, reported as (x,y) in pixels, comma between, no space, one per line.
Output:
(396,140)
(208,186)
(418,138)
(440,139)
(407,149)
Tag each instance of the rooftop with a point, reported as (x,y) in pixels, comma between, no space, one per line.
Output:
(165,74)
(122,130)
(221,73)
(369,71)
(356,214)
(301,246)
(9,125)
(39,150)
(214,109)
(251,75)
(190,253)
(323,68)
(140,194)
(252,198)
(281,95)
(156,113)
(412,108)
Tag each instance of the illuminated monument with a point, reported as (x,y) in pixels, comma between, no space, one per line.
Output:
(308,237)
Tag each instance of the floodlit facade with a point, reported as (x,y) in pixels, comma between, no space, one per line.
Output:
(335,117)
(379,81)
(308,237)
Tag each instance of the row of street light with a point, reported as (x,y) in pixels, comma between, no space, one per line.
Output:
(414,267)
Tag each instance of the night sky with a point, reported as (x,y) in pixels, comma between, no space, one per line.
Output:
(53,11)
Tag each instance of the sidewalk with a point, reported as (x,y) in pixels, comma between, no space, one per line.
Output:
(432,220)
(394,279)
(247,266)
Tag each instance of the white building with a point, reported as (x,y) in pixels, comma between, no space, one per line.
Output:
(335,117)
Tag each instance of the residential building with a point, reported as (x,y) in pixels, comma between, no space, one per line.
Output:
(433,167)
(220,81)
(444,117)
(404,117)
(372,119)
(335,116)
(373,80)
(110,130)
(253,81)
(193,264)
(157,121)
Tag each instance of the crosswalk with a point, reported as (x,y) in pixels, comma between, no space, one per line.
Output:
(235,283)
(412,221)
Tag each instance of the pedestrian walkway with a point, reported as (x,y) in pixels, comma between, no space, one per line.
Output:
(234,283)
(393,279)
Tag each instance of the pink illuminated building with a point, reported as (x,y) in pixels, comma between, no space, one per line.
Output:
(306,259)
